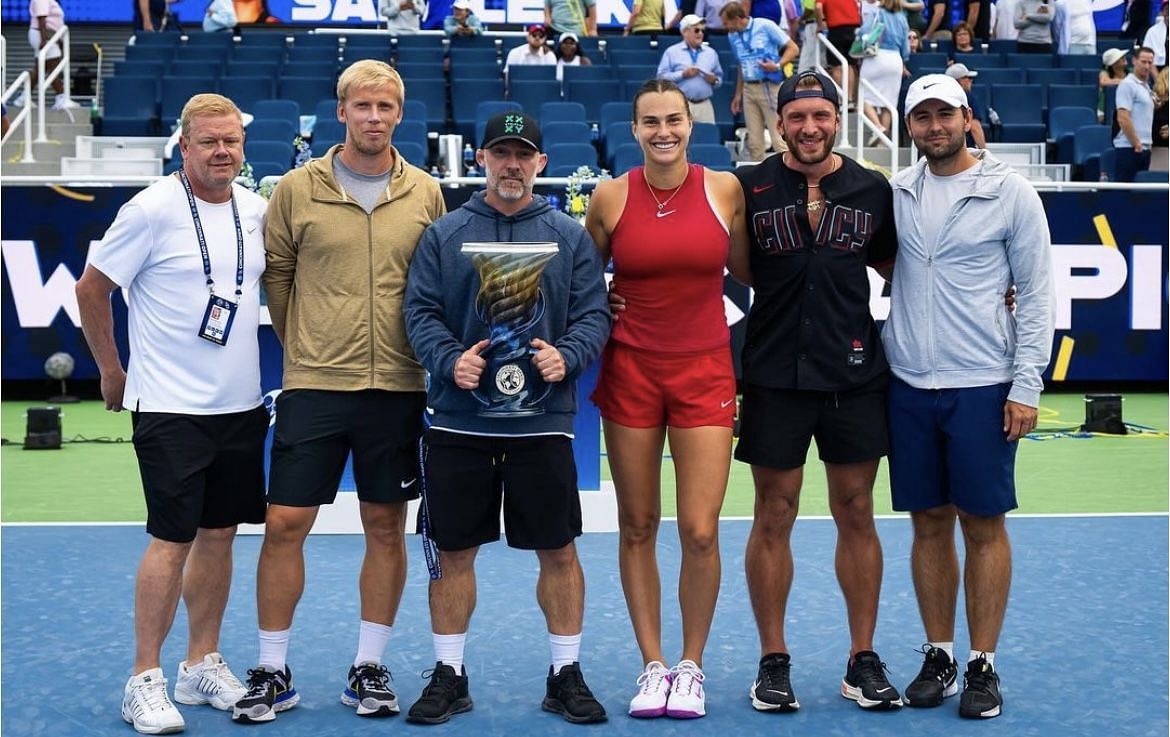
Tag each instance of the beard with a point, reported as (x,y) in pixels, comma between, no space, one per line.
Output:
(803,157)
(944,151)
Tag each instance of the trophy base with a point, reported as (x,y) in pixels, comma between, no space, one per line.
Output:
(506,412)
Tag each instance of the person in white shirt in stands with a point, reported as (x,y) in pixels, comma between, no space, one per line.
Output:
(220,16)
(694,66)
(1156,37)
(403,17)
(46,18)
(533,52)
(569,54)
(1003,20)
(1073,27)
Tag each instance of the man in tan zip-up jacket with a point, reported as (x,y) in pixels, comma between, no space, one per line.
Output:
(339,238)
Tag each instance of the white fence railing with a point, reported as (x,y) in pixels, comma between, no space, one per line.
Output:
(61,37)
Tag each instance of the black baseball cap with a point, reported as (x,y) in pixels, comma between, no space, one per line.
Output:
(789,91)
(512,125)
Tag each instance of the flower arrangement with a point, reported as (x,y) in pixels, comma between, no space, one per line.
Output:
(264,187)
(576,199)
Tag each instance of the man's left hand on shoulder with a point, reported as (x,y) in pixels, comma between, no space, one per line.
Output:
(1018,420)
(548,361)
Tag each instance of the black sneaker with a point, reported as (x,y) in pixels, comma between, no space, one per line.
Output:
(865,682)
(566,694)
(369,690)
(443,697)
(937,680)
(772,690)
(981,698)
(268,693)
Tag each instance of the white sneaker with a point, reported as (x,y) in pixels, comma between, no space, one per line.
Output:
(687,699)
(64,103)
(653,690)
(210,682)
(145,704)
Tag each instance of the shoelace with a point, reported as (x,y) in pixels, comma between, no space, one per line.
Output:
(226,678)
(259,680)
(981,679)
(439,680)
(155,695)
(374,678)
(687,679)
(651,680)
(775,673)
(872,670)
(932,667)
(576,682)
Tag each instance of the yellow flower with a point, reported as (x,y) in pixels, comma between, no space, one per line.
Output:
(577,205)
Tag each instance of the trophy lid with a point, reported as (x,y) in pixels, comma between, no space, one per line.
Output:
(518,248)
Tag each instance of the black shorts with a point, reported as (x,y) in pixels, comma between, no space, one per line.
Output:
(317,430)
(777,425)
(200,470)
(842,39)
(466,475)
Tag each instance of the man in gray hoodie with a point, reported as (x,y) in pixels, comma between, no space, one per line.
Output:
(966,378)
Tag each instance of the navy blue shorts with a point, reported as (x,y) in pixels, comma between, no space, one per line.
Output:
(947,446)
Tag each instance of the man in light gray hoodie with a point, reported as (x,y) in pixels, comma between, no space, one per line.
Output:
(966,378)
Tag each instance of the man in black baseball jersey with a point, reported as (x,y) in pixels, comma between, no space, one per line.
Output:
(813,368)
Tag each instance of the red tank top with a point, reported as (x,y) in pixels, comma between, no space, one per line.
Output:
(668,265)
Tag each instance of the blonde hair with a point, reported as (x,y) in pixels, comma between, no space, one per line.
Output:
(1162,84)
(207,103)
(732,10)
(369,73)
(891,5)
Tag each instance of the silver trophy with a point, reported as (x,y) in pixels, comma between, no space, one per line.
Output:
(510,302)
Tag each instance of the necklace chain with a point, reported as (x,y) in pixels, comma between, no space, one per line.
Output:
(665,202)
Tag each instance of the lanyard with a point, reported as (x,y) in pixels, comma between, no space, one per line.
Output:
(694,55)
(203,241)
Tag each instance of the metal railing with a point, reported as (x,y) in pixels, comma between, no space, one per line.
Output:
(843,88)
(864,124)
(23,119)
(62,36)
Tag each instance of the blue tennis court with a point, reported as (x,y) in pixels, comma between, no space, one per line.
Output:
(1084,651)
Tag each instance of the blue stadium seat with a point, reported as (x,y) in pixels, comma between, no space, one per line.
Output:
(1150,176)
(637,73)
(551,112)
(530,96)
(151,53)
(359,40)
(413,109)
(462,56)
(271,129)
(1029,61)
(309,69)
(279,151)
(533,73)
(308,54)
(1088,143)
(263,168)
(918,64)
(1020,108)
(712,156)
(247,91)
(279,109)
(599,72)
(411,131)
(627,156)
(418,73)
(325,134)
(563,131)
(257,40)
(704,134)
(308,91)
(472,120)
(593,94)
(990,77)
(1052,75)
(252,69)
(413,41)
(315,40)
(130,106)
(433,98)
(140,68)
(983,61)
(612,112)
(217,54)
(628,43)
(1063,123)
(640,57)
(350,54)
(214,42)
(561,170)
(174,93)
(1072,95)
(326,109)
(617,134)
(143,39)
(412,152)
(422,55)
(1003,45)
(210,69)
(464,43)
(1080,61)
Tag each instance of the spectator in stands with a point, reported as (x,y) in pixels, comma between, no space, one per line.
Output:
(711,13)
(976,138)
(940,22)
(964,39)
(812,54)
(885,70)
(1137,20)
(915,41)
(915,17)
(978,20)
(1034,22)
(571,16)
(220,16)
(149,14)
(685,8)
(403,17)
(1113,71)
(1161,128)
(646,17)
(1155,38)
(3,120)
(762,50)
(252,11)
(1073,27)
(46,18)
(1135,118)
(462,22)
(841,19)
(694,67)
(569,54)
(1005,20)
(534,52)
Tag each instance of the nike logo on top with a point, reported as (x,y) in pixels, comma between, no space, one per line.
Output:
(724,404)
(664,214)
(757,188)
(928,86)
(405,484)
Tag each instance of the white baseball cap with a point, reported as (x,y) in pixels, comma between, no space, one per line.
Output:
(461,5)
(960,71)
(1111,56)
(935,87)
(690,21)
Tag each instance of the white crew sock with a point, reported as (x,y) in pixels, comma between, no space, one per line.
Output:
(372,639)
(566,650)
(449,649)
(989,656)
(274,648)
